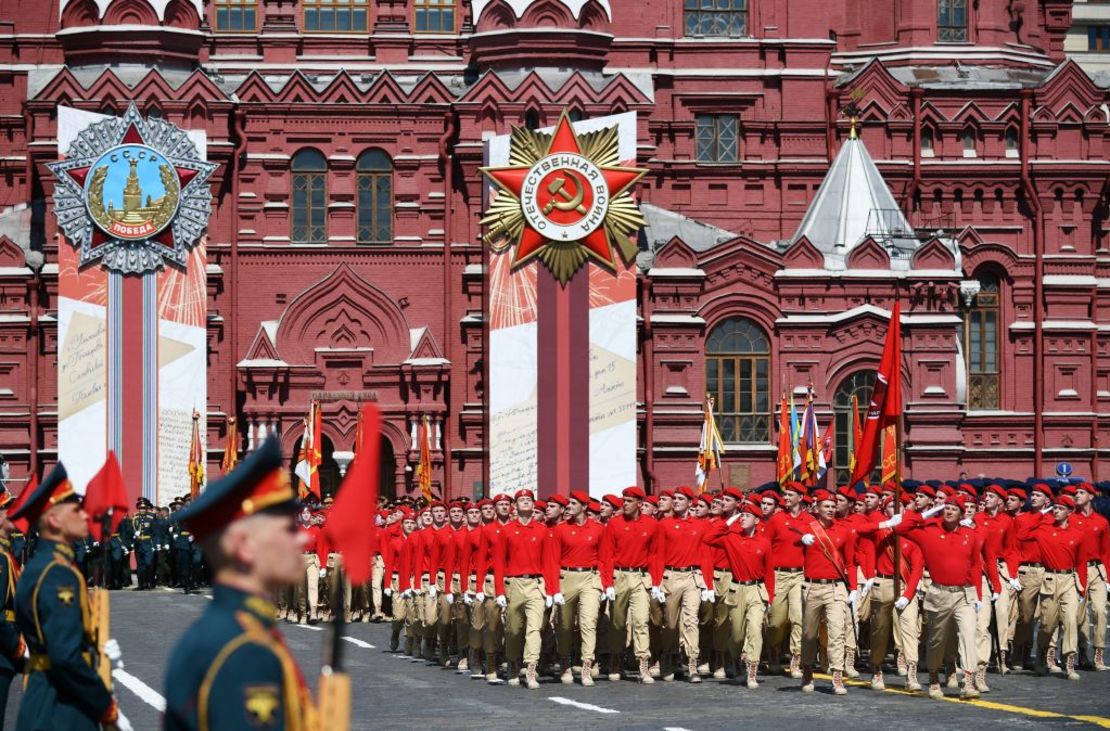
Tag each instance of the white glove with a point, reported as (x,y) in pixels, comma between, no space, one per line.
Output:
(387,591)
(96,544)
(853,597)
(611,594)
(1046,509)
(809,539)
(933,510)
(125,551)
(406,594)
(547,601)
(867,587)
(708,595)
(323,572)
(978,605)
(480,596)
(502,601)
(1015,584)
(558,598)
(190,539)
(994,597)
(658,594)
(467,599)
(113,653)
(165,548)
(449,598)
(902,603)
(892,522)
(432,591)
(122,724)
(967,523)
(733,519)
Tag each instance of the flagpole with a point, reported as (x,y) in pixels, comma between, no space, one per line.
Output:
(897,481)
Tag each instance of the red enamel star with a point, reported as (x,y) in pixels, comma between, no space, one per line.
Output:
(571,191)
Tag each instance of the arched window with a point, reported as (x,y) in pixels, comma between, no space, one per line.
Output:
(310,171)
(375,198)
(737,375)
(968,138)
(860,384)
(532,119)
(927,142)
(1011,140)
(981,345)
(952,21)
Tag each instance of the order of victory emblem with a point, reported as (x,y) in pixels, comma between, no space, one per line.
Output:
(132,193)
(563,198)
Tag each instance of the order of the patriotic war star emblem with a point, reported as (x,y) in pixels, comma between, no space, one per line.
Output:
(132,193)
(563,198)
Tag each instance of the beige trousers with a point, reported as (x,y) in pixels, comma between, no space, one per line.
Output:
(489,618)
(747,605)
(828,602)
(907,633)
(787,609)
(1030,578)
(951,610)
(582,603)
(1096,604)
(523,619)
(334,561)
(307,594)
(680,629)
(376,578)
(1059,610)
(630,613)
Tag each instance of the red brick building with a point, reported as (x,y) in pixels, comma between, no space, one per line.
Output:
(344,254)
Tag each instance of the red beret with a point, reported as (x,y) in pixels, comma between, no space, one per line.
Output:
(879,490)
(927,491)
(666,493)
(1043,489)
(907,498)
(771,495)
(1088,488)
(702,499)
(1067,501)
(580,496)
(406,512)
(962,500)
(436,504)
(795,487)
(503,498)
(997,490)
(969,489)
(1069,490)
(594,506)
(540,504)
(947,490)
(1018,493)
(822,495)
(558,500)
(633,492)
(807,500)
(484,502)
(524,493)
(749,506)
(653,499)
(732,492)
(613,500)
(687,491)
(848,493)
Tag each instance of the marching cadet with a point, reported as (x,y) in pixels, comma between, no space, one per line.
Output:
(522,567)
(393,550)
(785,527)
(11,642)
(160,537)
(493,628)
(628,539)
(1030,573)
(143,541)
(468,577)
(578,586)
(1097,532)
(1063,549)
(751,575)
(231,669)
(830,587)
(455,584)
(681,573)
(63,689)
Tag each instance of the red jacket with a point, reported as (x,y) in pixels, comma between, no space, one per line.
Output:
(628,544)
(678,543)
(997,538)
(393,551)
(1062,549)
(1097,532)
(749,557)
(317,543)
(833,554)
(1025,549)
(491,535)
(785,532)
(953,557)
(579,546)
(455,554)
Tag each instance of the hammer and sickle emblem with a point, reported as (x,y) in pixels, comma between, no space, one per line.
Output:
(570,202)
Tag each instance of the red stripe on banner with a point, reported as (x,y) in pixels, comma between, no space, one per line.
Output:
(563,393)
(546,386)
(131,385)
(579,353)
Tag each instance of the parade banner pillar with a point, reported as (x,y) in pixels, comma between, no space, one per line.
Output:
(132,201)
(562,307)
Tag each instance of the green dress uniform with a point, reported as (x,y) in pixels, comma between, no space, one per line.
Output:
(231,670)
(11,643)
(64,692)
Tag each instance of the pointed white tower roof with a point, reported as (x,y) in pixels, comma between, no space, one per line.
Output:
(852,203)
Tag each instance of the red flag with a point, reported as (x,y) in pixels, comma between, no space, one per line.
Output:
(886,399)
(785,471)
(889,463)
(22,524)
(105,491)
(424,465)
(356,501)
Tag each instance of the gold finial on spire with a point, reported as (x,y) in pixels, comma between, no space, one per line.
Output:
(852,122)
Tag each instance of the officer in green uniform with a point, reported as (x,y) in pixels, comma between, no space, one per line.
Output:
(11,643)
(231,669)
(183,554)
(142,532)
(160,537)
(64,692)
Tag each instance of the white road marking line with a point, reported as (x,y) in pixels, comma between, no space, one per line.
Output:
(150,696)
(311,627)
(675,728)
(584,706)
(359,643)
